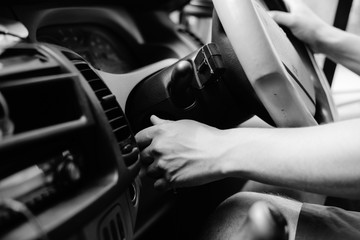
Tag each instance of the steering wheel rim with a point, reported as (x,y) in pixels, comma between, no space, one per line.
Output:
(292,92)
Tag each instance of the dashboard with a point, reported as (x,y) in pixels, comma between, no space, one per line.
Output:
(70,162)
(99,46)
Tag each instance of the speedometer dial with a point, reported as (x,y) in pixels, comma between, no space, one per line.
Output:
(102,49)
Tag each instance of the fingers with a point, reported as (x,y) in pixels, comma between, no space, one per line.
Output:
(156,120)
(291,4)
(149,157)
(165,182)
(145,136)
(146,157)
(282,18)
(150,164)
(155,171)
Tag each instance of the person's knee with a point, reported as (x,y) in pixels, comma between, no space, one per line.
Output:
(230,215)
(252,186)
(288,207)
(238,205)
(243,200)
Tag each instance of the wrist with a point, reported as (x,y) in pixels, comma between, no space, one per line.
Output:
(323,35)
(235,146)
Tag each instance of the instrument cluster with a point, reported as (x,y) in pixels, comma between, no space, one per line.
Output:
(102,48)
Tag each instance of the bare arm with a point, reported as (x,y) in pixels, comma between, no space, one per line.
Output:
(324,159)
(342,47)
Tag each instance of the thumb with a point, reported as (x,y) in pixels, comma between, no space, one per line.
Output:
(156,120)
(281,18)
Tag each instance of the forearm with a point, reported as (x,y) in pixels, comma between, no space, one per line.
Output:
(340,46)
(323,159)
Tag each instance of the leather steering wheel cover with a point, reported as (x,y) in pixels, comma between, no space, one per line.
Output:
(262,66)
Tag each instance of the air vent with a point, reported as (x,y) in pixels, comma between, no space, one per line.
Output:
(26,61)
(33,84)
(111,227)
(37,201)
(113,112)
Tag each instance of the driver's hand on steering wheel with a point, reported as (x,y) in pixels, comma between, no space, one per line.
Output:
(303,23)
(181,153)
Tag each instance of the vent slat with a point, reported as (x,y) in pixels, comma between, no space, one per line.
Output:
(122,133)
(109,102)
(106,234)
(81,66)
(117,122)
(97,84)
(120,226)
(111,227)
(113,112)
(114,231)
(102,92)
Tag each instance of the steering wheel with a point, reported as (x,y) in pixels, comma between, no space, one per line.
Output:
(268,69)
(269,73)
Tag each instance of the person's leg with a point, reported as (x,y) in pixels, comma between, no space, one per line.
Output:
(228,219)
(252,186)
(326,222)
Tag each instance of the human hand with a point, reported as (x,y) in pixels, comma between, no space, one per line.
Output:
(303,23)
(180,153)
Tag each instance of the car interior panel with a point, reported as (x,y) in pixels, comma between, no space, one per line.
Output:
(78,80)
